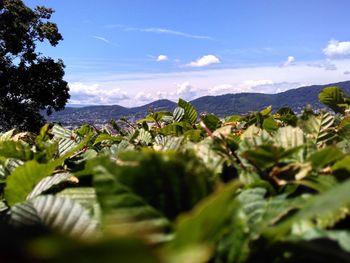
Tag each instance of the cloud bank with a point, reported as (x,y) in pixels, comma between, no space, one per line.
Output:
(134,89)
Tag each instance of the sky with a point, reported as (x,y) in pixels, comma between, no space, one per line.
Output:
(132,52)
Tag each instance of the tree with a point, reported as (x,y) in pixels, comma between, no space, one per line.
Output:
(30,83)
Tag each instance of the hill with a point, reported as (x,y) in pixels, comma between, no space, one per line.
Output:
(223,105)
(242,103)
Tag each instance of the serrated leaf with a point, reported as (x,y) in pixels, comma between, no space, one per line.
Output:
(265,112)
(60,214)
(190,112)
(144,137)
(7,135)
(325,157)
(334,98)
(317,207)
(107,137)
(262,211)
(171,129)
(270,124)
(343,164)
(86,196)
(178,114)
(67,139)
(16,150)
(289,137)
(122,207)
(47,183)
(24,178)
(319,128)
(166,143)
(205,223)
(211,121)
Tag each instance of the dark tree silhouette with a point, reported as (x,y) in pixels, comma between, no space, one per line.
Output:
(30,83)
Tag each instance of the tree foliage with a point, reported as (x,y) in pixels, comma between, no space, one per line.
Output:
(29,81)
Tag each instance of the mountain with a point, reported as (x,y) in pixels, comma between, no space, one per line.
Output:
(103,114)
(242,103)
(223,105)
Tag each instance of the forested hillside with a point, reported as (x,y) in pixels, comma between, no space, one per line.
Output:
(221,106)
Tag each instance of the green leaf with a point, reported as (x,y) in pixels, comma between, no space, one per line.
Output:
(262,211)
(144,137)
(270,124)
(334,98)
(289,137)
(233,118)
(86,196)
(171,129)
(7,135)
(193,135)
(320,206)
(264,156)
(107,137)
(124,210)
(17,150)
(319,128)
(265,112)
(325,157)
(166,143)
(47,183)
(204,224)
(190,112)
(178,114)
(319,183)
(172,182)
(24,178)
(343,164)
(211,121)
(59,214)
(67,140)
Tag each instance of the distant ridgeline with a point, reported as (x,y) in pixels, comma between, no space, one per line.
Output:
(223,105)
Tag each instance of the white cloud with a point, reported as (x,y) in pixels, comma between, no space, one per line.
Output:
(159,30)
(290,61)
(278,87)
(256,86)
(244,86)
(337,49)
(144,97)
(93,94)
(185,91)
(102,39)
(220,89)
(327,65)
(162,58)
(347,72)
(204,61)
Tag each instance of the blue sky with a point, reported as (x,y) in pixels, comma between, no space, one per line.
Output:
(133,52)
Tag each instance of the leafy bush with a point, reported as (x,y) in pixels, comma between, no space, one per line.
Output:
(181,187)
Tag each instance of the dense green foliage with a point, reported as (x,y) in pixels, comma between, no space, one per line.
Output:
(181,187)
(29,81)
